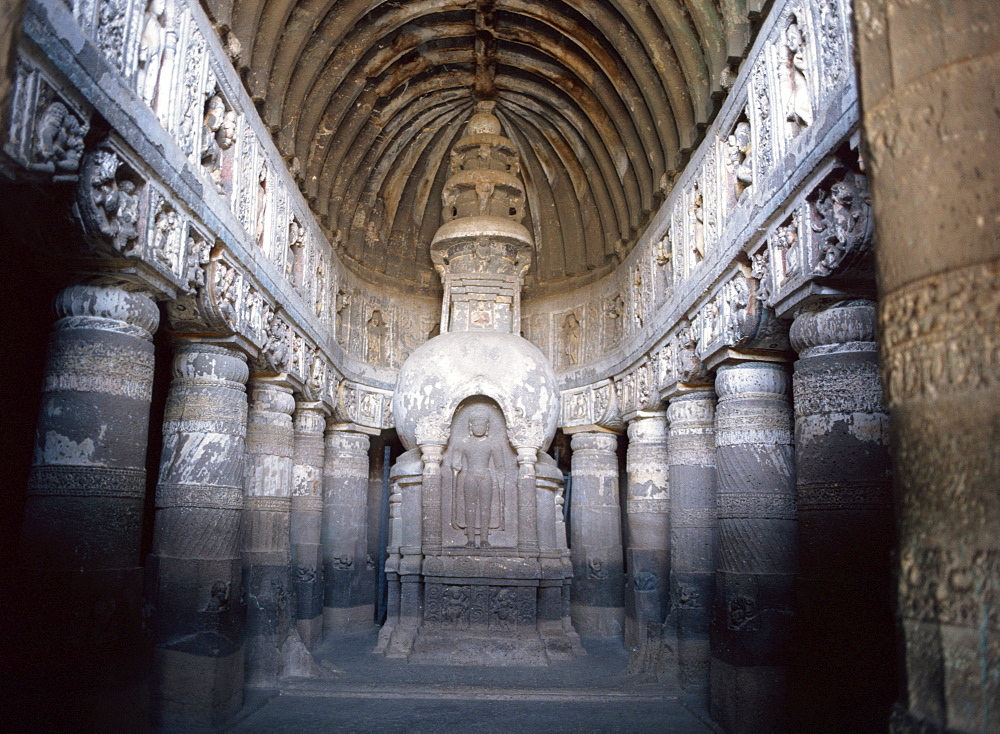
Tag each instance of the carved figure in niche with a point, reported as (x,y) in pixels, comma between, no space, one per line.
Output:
(151,45)
(697,212)
(196,260)
(219,133)
(261,224)
(504,609)
(794,82)
(761,272)
(293,261)
(638,302)
(783,243)
(571,338)
(166,247)
(225,290)
(739,157)
(58,140)
(219,600)
(376,331)
(595,569)
(615,311)
(455,604)
(478,472)
(663,253)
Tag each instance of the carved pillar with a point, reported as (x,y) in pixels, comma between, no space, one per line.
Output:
(307,520)
(345,542)
(431,455)
(647,518)
(527,507)
(266,519)
(195,564)
(928,75)
(79,547)
(693,531)
(598,601)
(755,459)
(845,659)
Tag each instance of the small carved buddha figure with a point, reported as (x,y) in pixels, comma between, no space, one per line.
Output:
(477,464)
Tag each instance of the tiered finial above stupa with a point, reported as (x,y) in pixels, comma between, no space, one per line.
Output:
(482,251)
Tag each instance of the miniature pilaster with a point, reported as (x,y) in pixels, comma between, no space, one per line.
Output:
(846,529)
(693,531)
(80,540)
(345,542)
(598,601)
(647,518)
(757,547)
(266,520)
(196,564)
(307,520)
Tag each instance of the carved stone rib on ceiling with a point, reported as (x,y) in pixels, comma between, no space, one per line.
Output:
(616,89)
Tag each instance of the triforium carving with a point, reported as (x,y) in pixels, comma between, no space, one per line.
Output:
(108,199)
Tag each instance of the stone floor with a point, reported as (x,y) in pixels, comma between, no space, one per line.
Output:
(369,693)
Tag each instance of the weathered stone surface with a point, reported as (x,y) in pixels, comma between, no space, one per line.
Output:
(307,520)
(344,536)
(929,76)
(598,595)
(80,541)
(197,605)
(758,547)
(647,526)
(693,532)
(266,550)
(844,650)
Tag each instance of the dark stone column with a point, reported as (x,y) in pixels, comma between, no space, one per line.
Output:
(345,541)
(693,532)
(598,597)
(929,76)
(307,520)
(758,548)
(844,668)
(79,549)
(195,567)
(647,526)
(266,532)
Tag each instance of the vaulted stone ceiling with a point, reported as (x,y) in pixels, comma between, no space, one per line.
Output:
(603,97)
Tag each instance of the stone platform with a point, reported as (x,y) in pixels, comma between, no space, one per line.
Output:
(373,693)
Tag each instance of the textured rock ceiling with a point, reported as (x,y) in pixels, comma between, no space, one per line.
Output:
(603,98)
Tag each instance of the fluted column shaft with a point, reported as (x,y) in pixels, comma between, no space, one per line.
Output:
(845,659)
(307,520)
(647,525)
(196,566)
(693,531)
(345,539)
(266,531)
(597,604)
(753,601)
(79,547)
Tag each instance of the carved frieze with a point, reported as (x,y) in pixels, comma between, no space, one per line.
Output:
(46,130)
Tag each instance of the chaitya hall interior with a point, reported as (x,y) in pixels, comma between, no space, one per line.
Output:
(637,356)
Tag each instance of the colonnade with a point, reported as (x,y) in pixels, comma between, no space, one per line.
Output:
(754,510)
(241,560)
(757,509)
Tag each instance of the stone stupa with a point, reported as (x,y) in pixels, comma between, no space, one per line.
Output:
(478,566)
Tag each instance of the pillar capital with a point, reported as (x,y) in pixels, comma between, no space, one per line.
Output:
(204,363)
(847,326)
(752,380)
(309,417)
(272,396)
(692,408)
(594,441)
(107,307)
